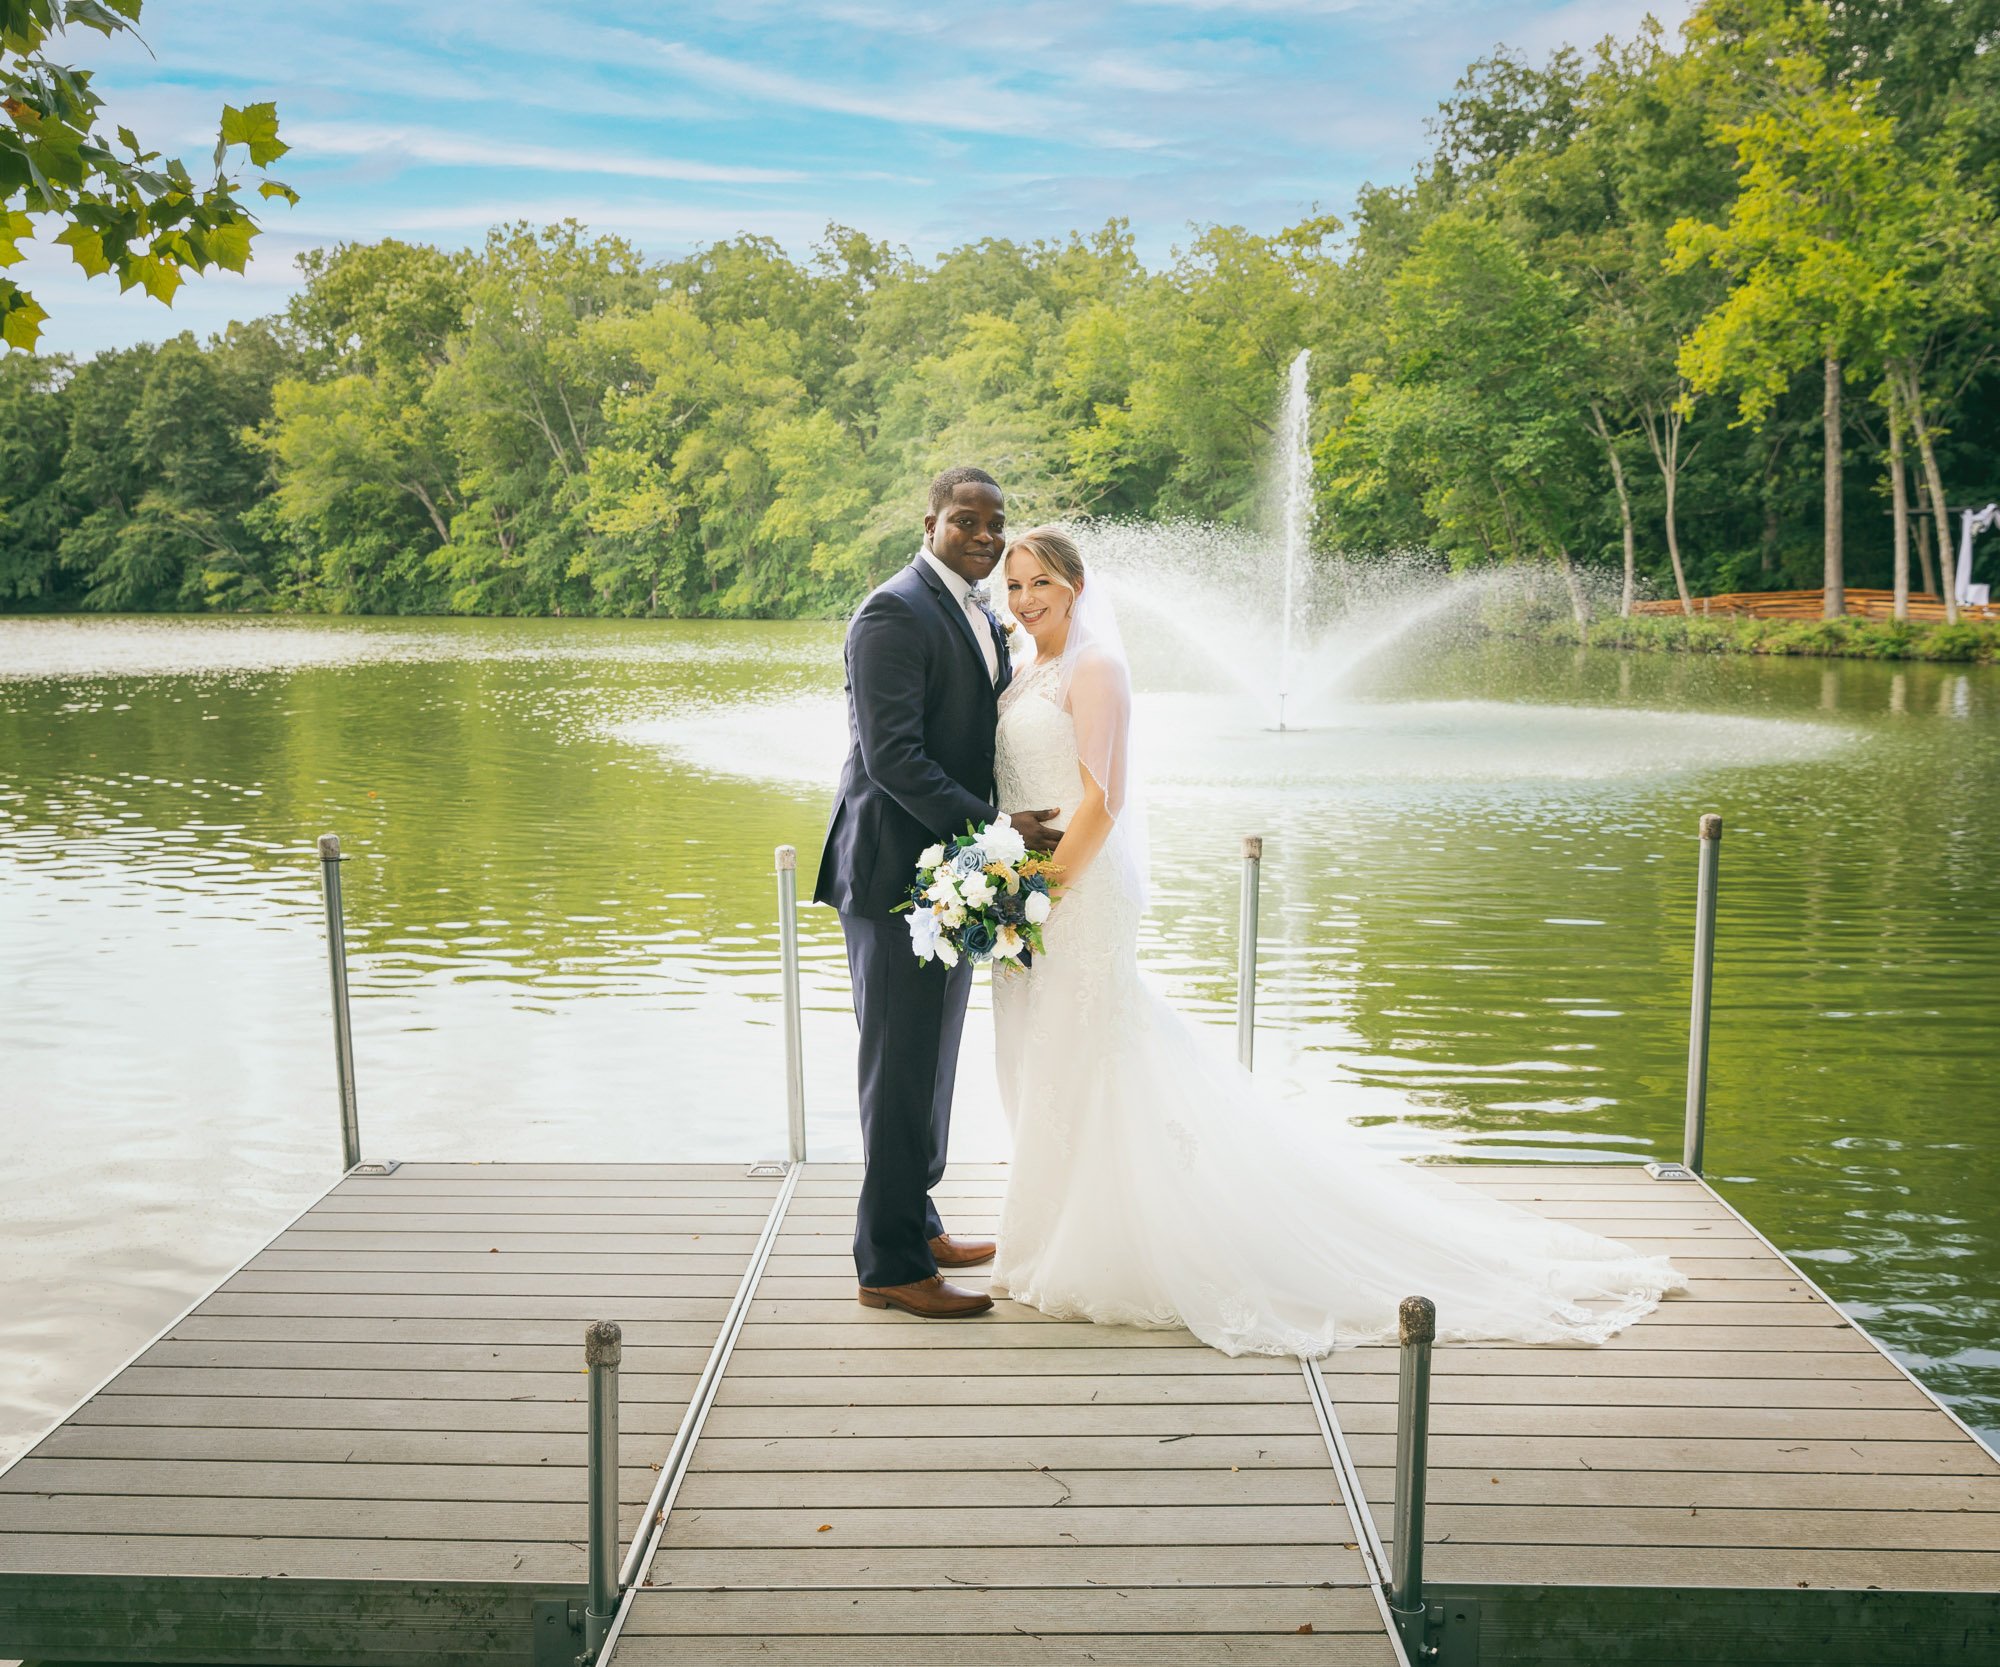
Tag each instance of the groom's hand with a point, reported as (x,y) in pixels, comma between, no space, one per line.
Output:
(1031,825)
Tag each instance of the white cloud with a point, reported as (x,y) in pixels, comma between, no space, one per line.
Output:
(463,150)
(959,104)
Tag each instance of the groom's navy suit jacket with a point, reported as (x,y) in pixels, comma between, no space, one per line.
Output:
(921,715)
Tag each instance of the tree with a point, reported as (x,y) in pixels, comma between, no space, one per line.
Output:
(521,397)
(1212,345)
(1483,404)
(1842,245)
(133,213)
(366,475)
(34,433)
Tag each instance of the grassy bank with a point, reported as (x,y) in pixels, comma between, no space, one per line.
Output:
(1848,639)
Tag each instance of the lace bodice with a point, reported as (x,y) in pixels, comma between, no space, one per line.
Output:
(1036,761)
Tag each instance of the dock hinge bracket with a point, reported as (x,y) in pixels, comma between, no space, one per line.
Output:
(1451,1633)
(558,1628)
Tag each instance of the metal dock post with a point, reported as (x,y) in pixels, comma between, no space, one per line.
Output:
(1417,1326)
(788,942)
(1246,952)
(330,860)
(1704,974)
(603,1348)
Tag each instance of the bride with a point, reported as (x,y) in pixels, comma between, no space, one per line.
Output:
(1152,1183)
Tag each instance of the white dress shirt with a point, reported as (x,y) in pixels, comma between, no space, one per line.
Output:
(982,630)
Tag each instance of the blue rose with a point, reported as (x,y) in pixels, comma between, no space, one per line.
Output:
(1035,882)
(977,938)
(967,861)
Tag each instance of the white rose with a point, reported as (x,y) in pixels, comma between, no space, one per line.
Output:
(977,891)
(1000,843)
(1007,947)
(954,916)
(924,930)
(942,890)
(1038,906)
(932,856)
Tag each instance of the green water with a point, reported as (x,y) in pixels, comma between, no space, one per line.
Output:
(1478,911)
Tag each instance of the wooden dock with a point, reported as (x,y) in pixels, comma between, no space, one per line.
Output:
(368,1446)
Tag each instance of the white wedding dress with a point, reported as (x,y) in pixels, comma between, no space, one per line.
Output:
(1153,1184)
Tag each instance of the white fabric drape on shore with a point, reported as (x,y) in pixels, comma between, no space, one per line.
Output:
(1972,523)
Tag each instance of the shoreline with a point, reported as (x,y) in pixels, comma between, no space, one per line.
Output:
(1969,642)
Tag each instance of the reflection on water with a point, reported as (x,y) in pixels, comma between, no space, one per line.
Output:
(1478,913)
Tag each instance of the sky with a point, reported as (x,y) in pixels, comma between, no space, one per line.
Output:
(923,125)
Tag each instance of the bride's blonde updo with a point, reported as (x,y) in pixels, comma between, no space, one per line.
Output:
(1055,550)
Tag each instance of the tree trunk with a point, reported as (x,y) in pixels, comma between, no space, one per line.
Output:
(1927,569)
(1674,542)
(1913,396)
(1667,454)
(1579,603)
(1899,496)
(1836,583)
(416,490)
(1624,511)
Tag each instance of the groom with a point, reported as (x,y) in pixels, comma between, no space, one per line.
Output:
(926,661)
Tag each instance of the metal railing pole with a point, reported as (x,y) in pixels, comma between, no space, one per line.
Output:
(788,942)
(603,1347)
(1704,975)
(1246,952)
(330,860)
(1417,1325)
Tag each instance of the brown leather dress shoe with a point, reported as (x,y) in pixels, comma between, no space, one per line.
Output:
(928,1299)
(953,1252)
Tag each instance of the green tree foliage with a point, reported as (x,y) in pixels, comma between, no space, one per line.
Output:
(1587,332)
(34,435)
(121,208)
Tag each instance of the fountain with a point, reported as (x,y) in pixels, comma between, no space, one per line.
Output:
(1236,636)
(1295,441)
(1221,595)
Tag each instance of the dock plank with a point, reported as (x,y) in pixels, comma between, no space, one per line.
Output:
(1253,1623)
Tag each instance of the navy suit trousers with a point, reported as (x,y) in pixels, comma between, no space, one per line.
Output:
(911,1015)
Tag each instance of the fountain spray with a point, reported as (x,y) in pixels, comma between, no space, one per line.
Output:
(1295,443)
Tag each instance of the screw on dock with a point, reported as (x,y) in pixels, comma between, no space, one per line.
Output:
(788,946)
(1417,1327)
(603,1347)
(1246,952)
(330,860)
(1704,974)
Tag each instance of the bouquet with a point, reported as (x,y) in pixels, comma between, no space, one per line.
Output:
(983,896)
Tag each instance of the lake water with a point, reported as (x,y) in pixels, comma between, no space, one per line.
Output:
(1478,892)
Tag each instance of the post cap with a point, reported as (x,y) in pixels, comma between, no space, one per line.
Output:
(329,847)
(603,1343)
(1711,826)
(788,857)
(1253,847)
(1417,1320)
